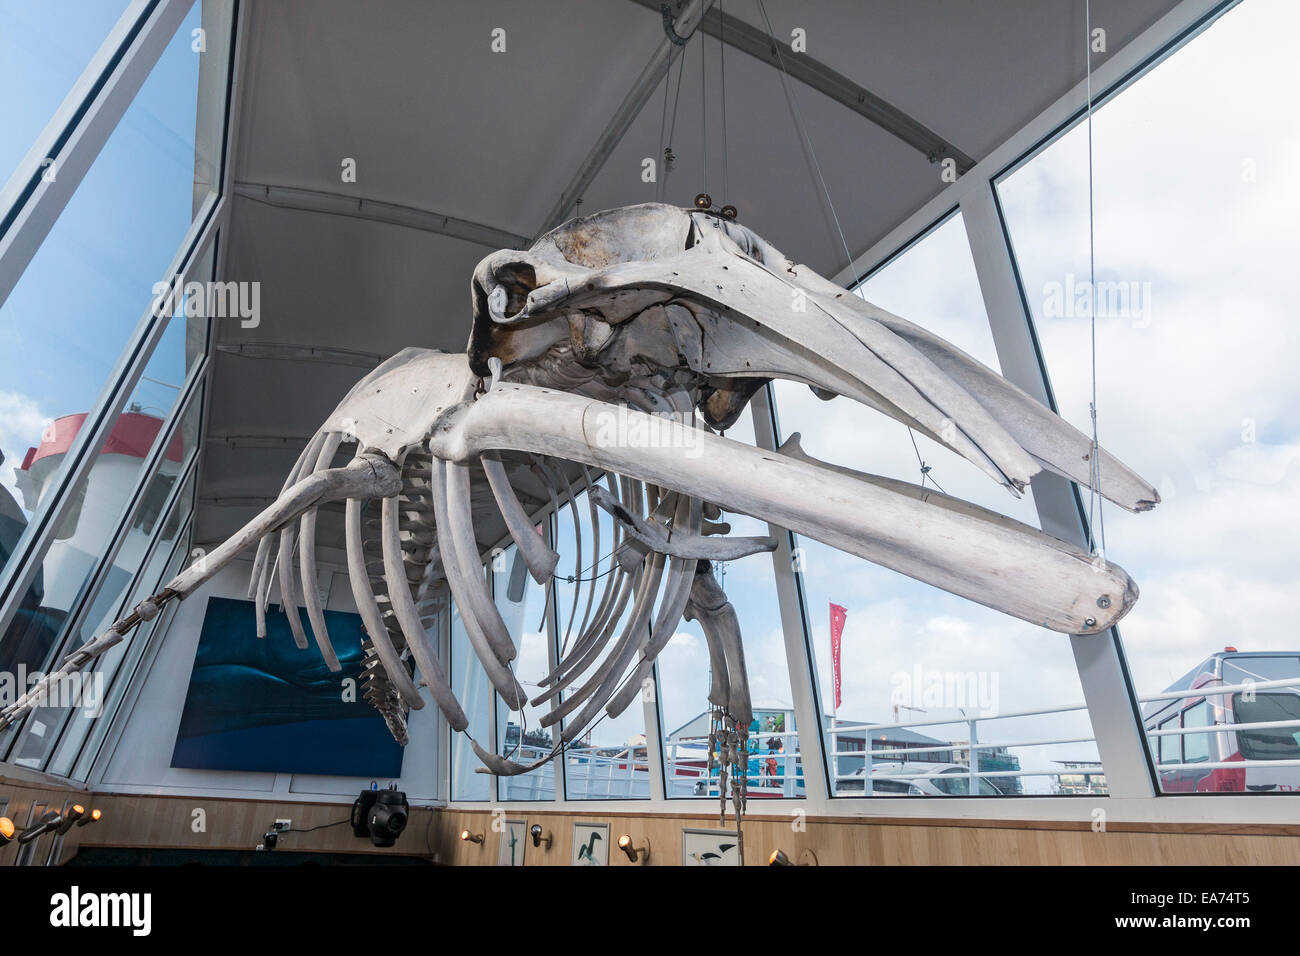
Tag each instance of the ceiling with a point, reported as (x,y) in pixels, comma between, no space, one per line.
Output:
(440,124)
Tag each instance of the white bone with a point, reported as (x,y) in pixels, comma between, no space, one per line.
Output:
(539,559)
(408,618)
(307,564)
(367,607)
(462,582)
(477,601)
(1024,573)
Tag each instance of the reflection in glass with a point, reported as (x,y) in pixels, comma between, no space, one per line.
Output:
(470,684)
(84,292)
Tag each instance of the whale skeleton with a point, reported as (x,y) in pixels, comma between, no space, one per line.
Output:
(623,344)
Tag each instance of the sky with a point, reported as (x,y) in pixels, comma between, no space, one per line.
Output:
(66,322)
(1197,186)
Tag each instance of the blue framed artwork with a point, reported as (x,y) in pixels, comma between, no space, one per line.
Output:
(265,705)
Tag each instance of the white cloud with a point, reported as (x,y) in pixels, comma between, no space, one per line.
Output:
(21,424)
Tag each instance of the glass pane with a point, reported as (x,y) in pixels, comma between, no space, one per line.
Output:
(520,736)
(1196,747)
(1171,748)
(38,635)
(609,759)
(470,684)
(32,641)
(1272,743)
(1196,347)
(42,56)
(685,676)
(111,675)
(84,292)
(924,672)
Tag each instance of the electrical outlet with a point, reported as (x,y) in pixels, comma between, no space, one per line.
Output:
(282,825)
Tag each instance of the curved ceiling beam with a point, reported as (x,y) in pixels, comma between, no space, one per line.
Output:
(358,207)
(292,352)
(749,39)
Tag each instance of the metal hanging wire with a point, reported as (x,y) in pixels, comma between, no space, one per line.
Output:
(1096,542)
(810,155)
(704,115)
(722,72)
(666,142)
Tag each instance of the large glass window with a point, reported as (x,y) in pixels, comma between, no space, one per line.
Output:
(81,740)
(609,757)
(41,58)
(923,672)
(1195,200)
(685,676)
(520,735)
(66,321)
(58,600)
(470,684)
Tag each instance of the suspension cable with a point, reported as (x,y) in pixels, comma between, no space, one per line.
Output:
(810,155)
(1095,503)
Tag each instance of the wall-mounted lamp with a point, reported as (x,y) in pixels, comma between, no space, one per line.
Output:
(806,858)
(94,816)
(468,837)
(637,854)
(535,831)
(48,821)
(7,831)
(71,816)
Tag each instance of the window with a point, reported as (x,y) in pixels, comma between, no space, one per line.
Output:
(73,310)
(609,759)
(42,56)
(82,740)
(470,684)
(1171,746)
(520,736)
(1195,208)
(1280,743)
(774,766)
(1196,747)
(925,672)
(57,614)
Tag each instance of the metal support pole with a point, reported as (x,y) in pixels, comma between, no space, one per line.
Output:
(1103,672)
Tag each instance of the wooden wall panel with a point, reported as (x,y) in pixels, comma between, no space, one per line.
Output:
(21,795)
(171,823)
(140,820)
(897,842)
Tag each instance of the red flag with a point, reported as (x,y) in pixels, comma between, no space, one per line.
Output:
(838,615)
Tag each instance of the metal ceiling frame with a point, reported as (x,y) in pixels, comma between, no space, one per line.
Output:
(740,35)
(681,19)
(395,214)
(295,352)
(682,25)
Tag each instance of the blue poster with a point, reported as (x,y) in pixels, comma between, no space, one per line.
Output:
(267,706)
